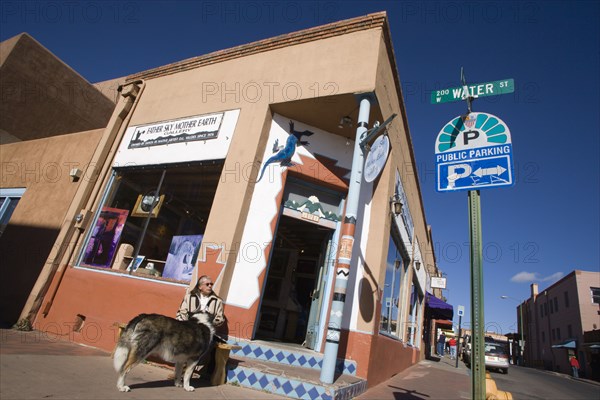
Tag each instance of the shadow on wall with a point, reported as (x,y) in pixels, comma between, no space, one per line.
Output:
(366,304)
(24,251)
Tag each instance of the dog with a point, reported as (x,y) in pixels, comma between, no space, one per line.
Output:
(180,342)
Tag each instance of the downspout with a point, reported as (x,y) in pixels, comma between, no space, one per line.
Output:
(344,256)
(69,233)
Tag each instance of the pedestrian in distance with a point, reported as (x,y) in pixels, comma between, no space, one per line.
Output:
(441,344)
(452,343)
(574,366)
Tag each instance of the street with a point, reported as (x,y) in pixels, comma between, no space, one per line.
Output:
(531,383)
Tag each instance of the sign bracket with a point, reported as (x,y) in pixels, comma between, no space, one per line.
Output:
(374,131)
(465,94)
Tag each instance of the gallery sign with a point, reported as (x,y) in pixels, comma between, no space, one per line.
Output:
(189,129)
(438,283)
(376,158)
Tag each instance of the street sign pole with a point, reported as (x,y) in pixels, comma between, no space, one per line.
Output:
(477,319)
(474,151)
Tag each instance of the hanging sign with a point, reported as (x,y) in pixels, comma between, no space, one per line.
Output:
(376,158)
(473,152)
(438,283)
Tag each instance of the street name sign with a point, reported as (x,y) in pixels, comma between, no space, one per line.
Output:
(478,90)
(473,152)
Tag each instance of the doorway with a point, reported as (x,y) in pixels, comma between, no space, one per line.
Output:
(295,282)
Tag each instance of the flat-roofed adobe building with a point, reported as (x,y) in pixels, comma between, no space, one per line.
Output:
(237,165)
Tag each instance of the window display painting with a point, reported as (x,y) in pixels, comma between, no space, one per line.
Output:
(147,203)
(182,257)
(138,261)
(101,248)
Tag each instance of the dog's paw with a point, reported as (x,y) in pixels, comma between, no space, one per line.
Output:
(124,388)
(179,383)
(189,388)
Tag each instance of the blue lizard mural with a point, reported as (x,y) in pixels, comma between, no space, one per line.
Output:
(284,154)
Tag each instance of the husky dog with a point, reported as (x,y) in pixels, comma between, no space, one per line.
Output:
(180,342)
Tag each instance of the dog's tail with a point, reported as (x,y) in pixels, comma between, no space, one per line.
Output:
(120,357)
(123,349)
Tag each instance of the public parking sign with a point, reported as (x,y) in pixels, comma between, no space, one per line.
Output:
(473,152)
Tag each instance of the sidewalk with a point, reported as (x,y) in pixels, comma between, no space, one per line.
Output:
(34,365)
(430,379)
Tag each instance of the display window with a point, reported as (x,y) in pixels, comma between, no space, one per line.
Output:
(395,272)
(152,220)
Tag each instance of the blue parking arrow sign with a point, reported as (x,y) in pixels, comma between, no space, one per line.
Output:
(474,152)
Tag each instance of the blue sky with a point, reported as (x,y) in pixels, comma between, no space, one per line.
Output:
(536,231)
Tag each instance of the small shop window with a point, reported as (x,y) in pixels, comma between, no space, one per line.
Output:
(156,215)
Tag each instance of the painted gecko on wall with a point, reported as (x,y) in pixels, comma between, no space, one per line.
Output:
(284,154)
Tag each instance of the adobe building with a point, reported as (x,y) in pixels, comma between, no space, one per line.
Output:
(51,121)
(559,322)
(238,165)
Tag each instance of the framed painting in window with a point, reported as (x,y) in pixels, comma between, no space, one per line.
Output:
(147,204)
(101,248)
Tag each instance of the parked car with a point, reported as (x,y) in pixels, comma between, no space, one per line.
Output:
(496,355)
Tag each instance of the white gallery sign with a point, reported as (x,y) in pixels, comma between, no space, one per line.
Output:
(202,127)
(438,283)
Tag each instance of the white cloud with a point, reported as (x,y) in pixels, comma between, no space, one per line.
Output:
(554,277)
(525,277)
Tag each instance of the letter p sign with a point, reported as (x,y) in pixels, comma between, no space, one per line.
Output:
(470,135)
(456,172)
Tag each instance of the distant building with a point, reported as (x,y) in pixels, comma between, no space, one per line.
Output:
(555,320)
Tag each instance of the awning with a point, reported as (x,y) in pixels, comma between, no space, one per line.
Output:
(438,308)
(443,322)
(569,344)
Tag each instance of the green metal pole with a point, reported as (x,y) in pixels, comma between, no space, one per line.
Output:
(477,319)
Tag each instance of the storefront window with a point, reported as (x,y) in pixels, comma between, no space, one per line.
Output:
(164,229)
(390,303)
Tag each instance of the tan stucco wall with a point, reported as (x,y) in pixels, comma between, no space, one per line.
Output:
(589,311)
(288,73)
(42,96)
(42,167)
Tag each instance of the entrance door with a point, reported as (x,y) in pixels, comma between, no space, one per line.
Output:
(289,300)
(317,294)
